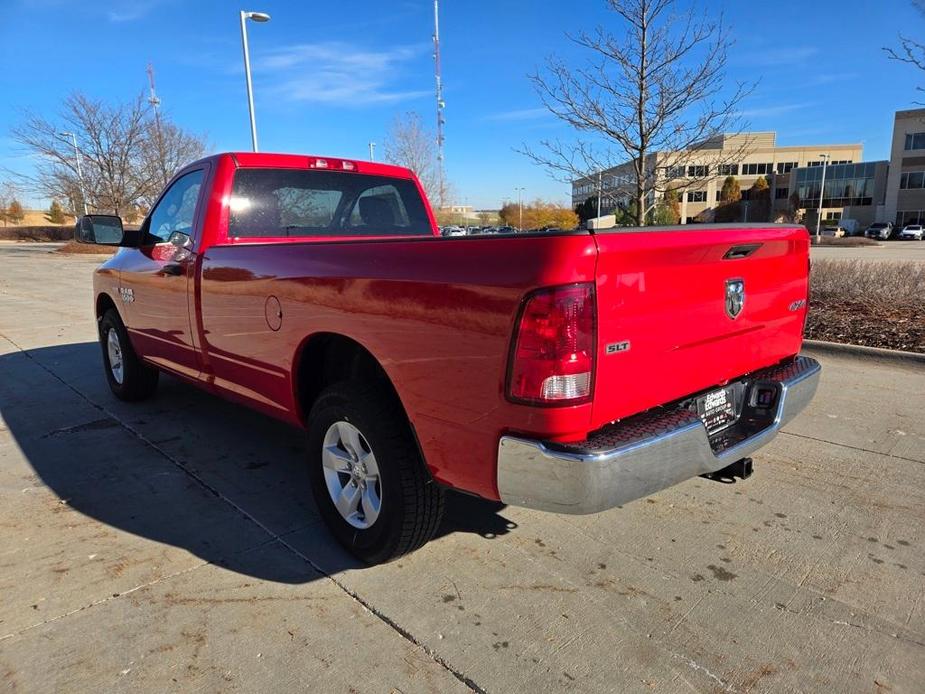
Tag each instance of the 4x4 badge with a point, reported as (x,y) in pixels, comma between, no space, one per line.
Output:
(735,297)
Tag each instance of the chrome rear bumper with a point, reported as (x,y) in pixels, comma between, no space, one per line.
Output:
(649,452)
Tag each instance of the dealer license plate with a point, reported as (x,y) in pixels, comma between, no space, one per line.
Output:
(717,409)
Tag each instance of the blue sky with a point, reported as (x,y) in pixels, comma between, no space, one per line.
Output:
(331,76)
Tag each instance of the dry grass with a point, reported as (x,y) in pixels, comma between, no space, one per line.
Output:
(894,282)
(74,248)
(877,304)
(37,233)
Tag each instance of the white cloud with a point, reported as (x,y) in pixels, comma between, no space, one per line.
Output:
(831,77)
(772,110)
(337,72)
(778,56)
(130,10)
(518,115)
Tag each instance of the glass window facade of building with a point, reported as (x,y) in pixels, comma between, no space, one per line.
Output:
(912,180)
(915,141)
(757,169)
(845,185)
(904,217)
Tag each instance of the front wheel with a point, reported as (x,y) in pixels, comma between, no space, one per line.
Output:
(129,378)
(368,479)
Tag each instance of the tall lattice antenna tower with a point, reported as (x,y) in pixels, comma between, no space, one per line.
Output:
(155,102)
(441,105)
(152,97)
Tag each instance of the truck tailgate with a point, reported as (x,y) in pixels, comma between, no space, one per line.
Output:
(664,331)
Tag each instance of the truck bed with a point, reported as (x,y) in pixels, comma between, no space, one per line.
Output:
(439,313)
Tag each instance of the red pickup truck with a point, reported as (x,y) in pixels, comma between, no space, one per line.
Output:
(564,371)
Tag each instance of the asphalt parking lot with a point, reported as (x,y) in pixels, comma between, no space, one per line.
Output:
(173,545)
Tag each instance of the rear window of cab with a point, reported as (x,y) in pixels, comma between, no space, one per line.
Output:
(294,202)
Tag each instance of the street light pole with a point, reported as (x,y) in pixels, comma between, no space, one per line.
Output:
(520,206)
(257,17)
(372,151)
(825,161)
(600,193)
(80,173)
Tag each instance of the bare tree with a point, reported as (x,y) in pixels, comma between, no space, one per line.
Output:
(910,51)
(124,157)
(411,145)
(653,96)
(165,148)
(8,193)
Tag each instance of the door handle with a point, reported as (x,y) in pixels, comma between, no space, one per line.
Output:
(173,269)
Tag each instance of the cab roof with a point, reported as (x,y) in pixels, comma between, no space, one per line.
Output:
(309,161)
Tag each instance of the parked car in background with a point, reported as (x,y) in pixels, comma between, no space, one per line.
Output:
(851,227)
(836,231)
(912,231)
(879,230)
(453,231)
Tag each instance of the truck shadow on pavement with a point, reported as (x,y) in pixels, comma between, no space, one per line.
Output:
(185,468)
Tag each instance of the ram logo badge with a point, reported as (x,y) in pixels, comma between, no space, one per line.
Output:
(735,297)
(128,295)
(615,347)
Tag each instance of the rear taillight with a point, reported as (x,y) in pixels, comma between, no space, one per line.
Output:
(552,361)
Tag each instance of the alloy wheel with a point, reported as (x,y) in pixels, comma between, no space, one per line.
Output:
(351,475)
(114,351)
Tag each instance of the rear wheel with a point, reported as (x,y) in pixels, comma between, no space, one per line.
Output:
(368,479)
(129,378)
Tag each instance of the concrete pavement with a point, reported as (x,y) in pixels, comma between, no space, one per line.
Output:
(173,545)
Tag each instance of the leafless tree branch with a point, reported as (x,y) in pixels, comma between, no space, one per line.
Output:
(126,155)
(657,87)
(411,145)
(910,51)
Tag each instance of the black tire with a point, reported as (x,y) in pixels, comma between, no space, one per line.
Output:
(138,380)
(411,502)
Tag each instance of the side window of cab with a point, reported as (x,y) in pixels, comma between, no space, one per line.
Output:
(176,210)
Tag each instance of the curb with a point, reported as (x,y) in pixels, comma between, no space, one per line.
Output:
(861,352)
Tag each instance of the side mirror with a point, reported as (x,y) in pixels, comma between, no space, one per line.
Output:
(100,229)
(184,245)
